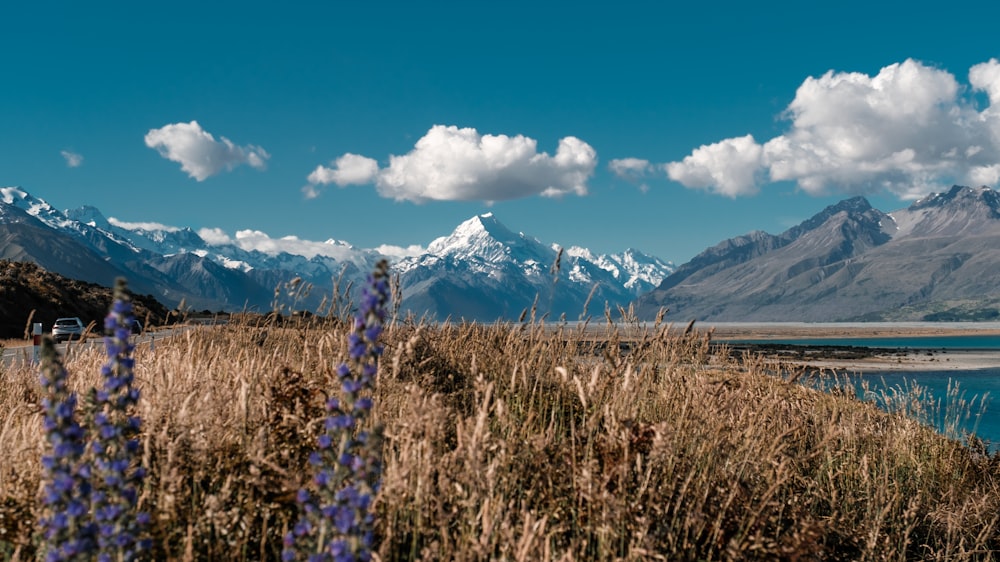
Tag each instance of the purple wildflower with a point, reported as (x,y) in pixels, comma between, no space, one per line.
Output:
(66,531)
(116,445)
(336,524)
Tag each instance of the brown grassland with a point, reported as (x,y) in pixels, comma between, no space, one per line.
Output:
(527,442)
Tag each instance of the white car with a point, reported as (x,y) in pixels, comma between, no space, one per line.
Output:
(67,329)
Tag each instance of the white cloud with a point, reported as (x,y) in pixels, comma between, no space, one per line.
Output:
(256,240)
(907,130)
(893,131)
(400,252)
(985,77)
(728,167)
(73,159)
(147,226)
(985,175)
(630,168)
(349,169)
(214,236)
(198,153)
(310,191)
(262,242)
(452,164)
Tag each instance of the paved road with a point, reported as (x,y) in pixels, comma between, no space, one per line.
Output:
(24,354)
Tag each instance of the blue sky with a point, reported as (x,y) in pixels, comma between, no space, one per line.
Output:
(238,116)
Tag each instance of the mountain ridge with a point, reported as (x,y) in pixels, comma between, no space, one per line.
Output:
(480,268)
(848,262)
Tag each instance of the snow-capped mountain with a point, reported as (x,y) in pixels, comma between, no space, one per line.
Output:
(158,239)
(482,270)
(636,271)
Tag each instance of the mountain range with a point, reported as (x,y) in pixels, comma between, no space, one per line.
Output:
(481,271)
(938,259)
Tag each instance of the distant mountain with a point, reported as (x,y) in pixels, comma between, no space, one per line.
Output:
(484,271)
(25,238)
(481,271)
(937,259)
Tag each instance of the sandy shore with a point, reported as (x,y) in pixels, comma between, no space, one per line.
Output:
(916,361)
(877,360)
(783,330)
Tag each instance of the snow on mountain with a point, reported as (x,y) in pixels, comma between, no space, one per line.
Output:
(89,215)
(35,207)
(496,272)
(481,270)
(635,270)
(92,236)
(250,250)
(157,238)
(486,239)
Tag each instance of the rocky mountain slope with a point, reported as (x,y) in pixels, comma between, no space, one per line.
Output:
(937,259)
(28,291)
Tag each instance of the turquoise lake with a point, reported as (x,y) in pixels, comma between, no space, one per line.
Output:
(980,385)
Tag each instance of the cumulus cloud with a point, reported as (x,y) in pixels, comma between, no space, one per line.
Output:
(199,154)
(985,175)
(400,252)
(907,130)
(73,159)
(262,242)
(986,77)
(251,240)
(214,236)
(630,168)
(147,226)
(453,164)
(349,169)
(727,167)
(256,240)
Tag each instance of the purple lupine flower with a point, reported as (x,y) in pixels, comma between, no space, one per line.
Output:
(65,528)
(336,524)
(116,445)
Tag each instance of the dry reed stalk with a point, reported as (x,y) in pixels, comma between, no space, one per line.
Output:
(529,442)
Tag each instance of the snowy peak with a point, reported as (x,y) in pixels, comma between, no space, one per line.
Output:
(484,271)
(481,270)
(636,271)
(153,237)
(642,272)
(475,230)
(485,238)
(89,215)
(94,237)
(34,206)
(341,243)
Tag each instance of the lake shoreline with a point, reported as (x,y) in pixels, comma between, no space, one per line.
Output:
(859,359)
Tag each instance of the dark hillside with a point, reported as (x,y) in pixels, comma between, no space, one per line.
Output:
(25,287)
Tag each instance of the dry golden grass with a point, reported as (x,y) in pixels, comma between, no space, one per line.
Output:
(526,442)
